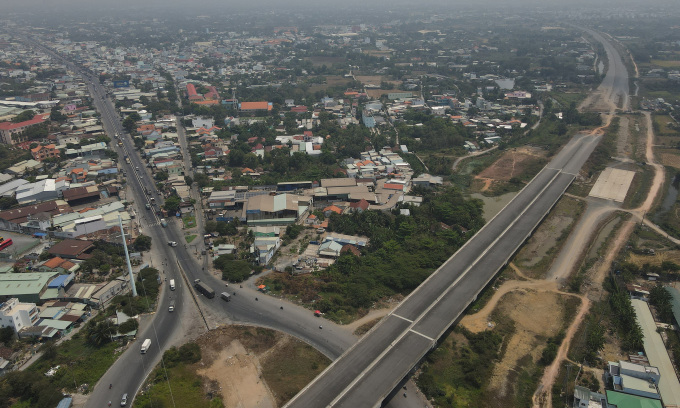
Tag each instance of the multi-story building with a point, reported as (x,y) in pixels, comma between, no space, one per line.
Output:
(41,153)
(17,315)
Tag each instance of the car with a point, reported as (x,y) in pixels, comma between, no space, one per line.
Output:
(148,206)
(171,308)
(123,401)
(172,243)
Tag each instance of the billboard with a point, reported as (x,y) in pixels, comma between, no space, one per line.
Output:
(121,84)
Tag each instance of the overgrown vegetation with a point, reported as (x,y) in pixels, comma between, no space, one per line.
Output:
(625,319)
(402,252)
(457,373)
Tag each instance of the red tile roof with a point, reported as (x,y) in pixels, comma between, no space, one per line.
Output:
(11,126)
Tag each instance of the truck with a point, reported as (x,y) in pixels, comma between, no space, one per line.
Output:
(164,223)
(204,289)
(145,345)
(172,284)
(225,296)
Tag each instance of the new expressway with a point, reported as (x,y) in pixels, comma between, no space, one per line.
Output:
(371,371)
(374,367)
(165,328)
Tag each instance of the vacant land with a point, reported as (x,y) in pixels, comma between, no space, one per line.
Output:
(666,64)
(538,253)
(239,367)
(328,61)
(330,81)
(664,125)
(670,158)
(509,170)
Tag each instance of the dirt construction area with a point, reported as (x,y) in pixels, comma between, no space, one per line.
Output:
(245,365)
(537,312)
(512,163)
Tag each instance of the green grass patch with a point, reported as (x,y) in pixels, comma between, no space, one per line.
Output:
(546,242)
(81,362)
(457,373)
(190,238)
(290,367)
(639,188)
(666,64)
(189,221)
(187,390)
(664,125)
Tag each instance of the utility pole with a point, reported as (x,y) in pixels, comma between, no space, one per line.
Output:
(127,258)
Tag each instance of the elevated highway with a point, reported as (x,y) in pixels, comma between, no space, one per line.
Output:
(371,369)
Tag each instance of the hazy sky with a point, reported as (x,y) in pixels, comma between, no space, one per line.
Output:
(217,5)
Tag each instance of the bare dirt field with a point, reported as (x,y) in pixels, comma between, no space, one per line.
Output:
(376,93)
(255,367)
(331,81)
(670,159)
(533,307)
(238,374)
(623,146)
(656,259)
(512,163)
(537,254)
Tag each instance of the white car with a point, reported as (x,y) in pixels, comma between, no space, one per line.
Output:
(172,243)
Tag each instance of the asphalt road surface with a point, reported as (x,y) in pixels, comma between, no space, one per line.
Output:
(368,372)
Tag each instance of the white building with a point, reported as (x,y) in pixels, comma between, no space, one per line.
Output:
(17,315)
(43,190)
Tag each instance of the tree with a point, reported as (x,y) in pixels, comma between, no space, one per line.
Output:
(129,124)
(143,243)
(660,298)
(100,333)
(24,116)
(172,204)
(7,335)
(188,180)
(7,202)
(128,326)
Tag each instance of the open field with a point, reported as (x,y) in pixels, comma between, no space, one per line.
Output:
(331,81)
(664,125)
(670,158)
(509,170)
(328,61)
(512,163)
(540,250)
(666,64)
(239,367)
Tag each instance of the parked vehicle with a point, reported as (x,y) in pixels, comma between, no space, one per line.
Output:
(145,345)
(205,289)
(172,284)
(225,296)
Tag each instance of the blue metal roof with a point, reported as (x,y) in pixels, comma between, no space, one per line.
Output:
(58,281)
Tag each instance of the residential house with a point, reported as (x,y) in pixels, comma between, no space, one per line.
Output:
(41,153)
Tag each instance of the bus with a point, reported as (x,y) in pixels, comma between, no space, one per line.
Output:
(4,243)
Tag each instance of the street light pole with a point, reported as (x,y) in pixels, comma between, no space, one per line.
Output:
(127,258)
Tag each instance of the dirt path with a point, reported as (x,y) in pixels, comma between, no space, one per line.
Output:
(455,164)
(543,395)
(544,399)
(370,316)
(659,170)
(480,321)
